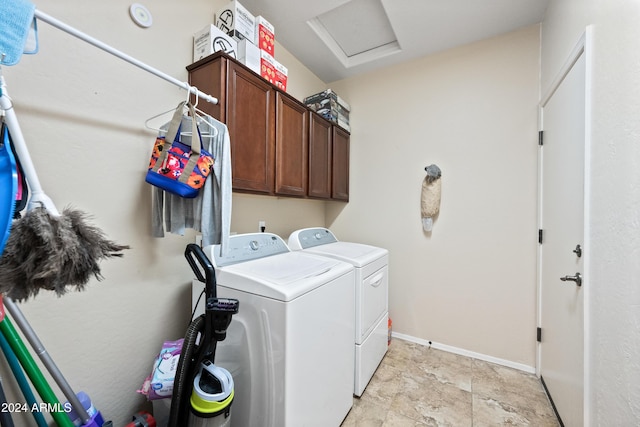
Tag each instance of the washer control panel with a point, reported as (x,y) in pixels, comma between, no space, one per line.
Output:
(310,237)
(247,247)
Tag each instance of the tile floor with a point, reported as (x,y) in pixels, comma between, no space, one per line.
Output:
(420,386)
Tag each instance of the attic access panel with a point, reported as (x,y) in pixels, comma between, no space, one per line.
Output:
(356,32)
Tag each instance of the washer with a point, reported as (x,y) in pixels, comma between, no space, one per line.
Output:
(372,294)
(290,347)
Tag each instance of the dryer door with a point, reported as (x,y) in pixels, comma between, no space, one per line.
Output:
(373,302)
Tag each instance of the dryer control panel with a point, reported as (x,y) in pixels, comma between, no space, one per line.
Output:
(310,237)
(247,247)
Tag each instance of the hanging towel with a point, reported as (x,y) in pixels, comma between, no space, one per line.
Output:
(18,30)
(430,197)
(210,212)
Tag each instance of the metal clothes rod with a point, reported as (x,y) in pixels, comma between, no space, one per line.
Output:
(97,43)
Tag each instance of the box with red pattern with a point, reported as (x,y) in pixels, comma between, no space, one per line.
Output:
(267,67)
(265,35)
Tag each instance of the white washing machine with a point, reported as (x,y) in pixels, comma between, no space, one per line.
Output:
(372,294)
(290,347)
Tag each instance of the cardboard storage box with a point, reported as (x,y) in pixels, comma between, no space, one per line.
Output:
(273,71)
(265,35)
(344,125)
(334,117)
(281,76)
(331,109)
(330,106)
(211,39)
(321,99)
(236,21)
(249,55)
(267,67)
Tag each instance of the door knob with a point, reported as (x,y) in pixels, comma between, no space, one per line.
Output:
(577,278)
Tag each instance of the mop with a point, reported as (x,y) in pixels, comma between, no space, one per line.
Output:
(46,249)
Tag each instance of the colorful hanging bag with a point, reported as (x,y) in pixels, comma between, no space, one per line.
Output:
(176,167)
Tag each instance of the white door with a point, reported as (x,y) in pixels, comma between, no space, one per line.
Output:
(562,220)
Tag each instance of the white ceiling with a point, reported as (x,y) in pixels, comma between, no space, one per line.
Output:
(336,39)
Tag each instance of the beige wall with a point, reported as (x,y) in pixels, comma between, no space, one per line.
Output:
(83,112)
(471,283)
(612,296)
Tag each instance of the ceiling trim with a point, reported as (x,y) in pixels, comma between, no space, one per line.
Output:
(353,60)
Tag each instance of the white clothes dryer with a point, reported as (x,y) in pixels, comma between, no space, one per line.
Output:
(372,294)
(290,347)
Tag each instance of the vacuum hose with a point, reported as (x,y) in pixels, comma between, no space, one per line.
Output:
(184,374)
(211,326)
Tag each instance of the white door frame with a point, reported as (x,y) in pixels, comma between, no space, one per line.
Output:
(583,46)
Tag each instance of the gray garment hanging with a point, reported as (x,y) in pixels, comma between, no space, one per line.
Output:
(210,212)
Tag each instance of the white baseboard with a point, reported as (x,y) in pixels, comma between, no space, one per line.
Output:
(467,353)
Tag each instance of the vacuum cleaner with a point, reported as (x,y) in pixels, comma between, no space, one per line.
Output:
(203,392)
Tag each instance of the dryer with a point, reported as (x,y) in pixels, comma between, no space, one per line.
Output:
(372,289)
(290,347)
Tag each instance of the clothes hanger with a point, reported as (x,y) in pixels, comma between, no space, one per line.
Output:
(203,118)
(206,118)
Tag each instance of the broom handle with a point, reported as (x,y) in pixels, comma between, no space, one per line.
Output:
(5,416)
(37,194)
(18,373)
(46,359)
(29,365)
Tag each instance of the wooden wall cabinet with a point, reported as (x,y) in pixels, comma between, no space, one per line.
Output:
(247,107)
(292,142)
(278,145)
(328,160)
(320,160)
(340,164)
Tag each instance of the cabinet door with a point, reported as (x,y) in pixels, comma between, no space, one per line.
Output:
(211,77)
(319,157)
(292,140)
(251,124)
(340,169)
